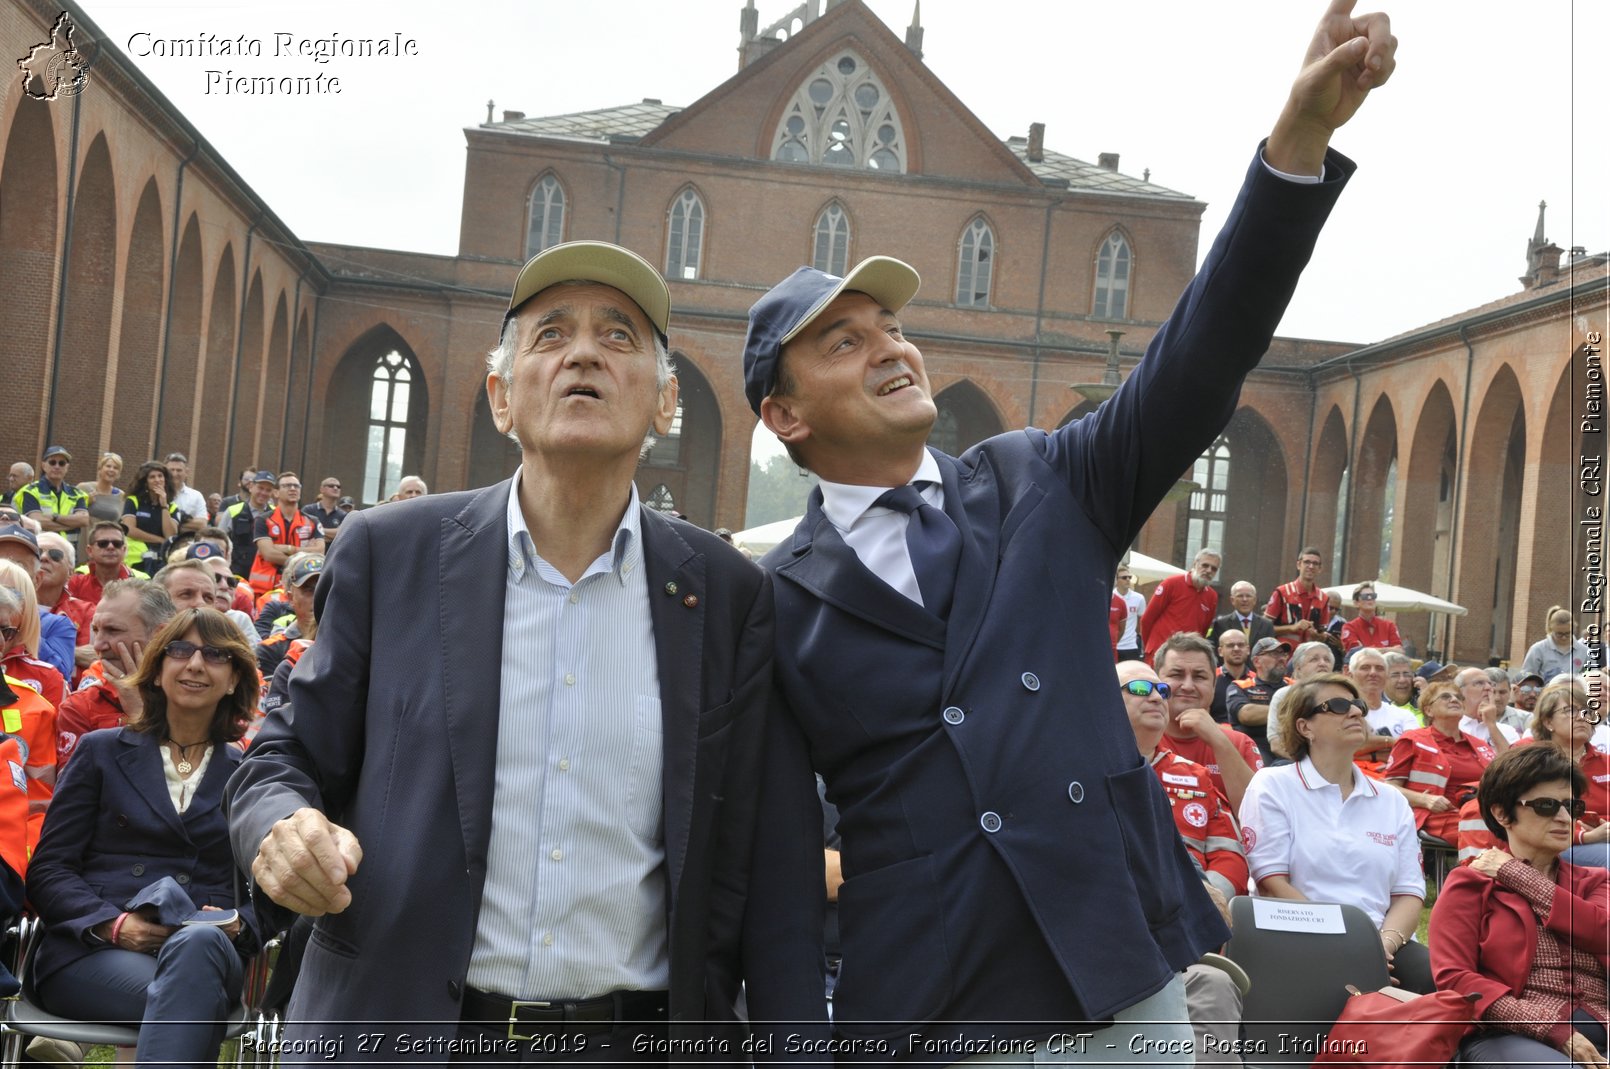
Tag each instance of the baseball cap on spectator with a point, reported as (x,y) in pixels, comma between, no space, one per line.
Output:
(790,306)
(1521,675)
(307,568)
(57,451)
(1269,645)
(346,503)
(601,262)
(16,532)
(201,551)
(1433,669)
(265,477)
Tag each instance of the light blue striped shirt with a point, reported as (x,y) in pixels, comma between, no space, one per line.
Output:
(575,899)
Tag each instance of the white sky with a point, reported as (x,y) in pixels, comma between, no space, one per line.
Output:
(1491,110)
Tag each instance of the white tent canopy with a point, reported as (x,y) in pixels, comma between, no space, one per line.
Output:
(1150,569)
(762,538)
(1389,597)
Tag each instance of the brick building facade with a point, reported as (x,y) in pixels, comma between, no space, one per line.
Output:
(150,301)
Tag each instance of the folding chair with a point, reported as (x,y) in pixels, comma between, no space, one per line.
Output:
(1299,980)
(1438,857)
(24,1017)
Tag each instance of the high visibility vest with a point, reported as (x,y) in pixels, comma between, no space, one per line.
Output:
(283,530)
(14,848)
(136,549)
(30,717)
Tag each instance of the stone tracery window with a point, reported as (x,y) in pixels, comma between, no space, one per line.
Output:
(685,237)
(842,116)
(388,426)
(975,263)
(545,226)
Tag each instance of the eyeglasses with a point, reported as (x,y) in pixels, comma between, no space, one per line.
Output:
(1310,563)
(1584,713)
(1528,688)
(183,651)
(109,543)
(1142,688)
(1365,597)
(54,554)
(56,462)
(1341,707)
(1547,807)
(337,486)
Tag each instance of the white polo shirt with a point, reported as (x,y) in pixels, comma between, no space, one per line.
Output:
(1477,727)
(1359,852)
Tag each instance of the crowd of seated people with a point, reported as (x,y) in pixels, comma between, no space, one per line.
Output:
(129,639)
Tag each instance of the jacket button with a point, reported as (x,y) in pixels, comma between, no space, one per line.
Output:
(454,992)
(990,822)
(182,878)
(953,715)
(138,870)
(122,820)
(1031,681)
(1076,792)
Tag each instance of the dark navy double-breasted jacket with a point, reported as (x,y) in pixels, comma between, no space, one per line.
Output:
(1008,856)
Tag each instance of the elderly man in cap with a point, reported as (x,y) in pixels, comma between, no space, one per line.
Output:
(941,632)
(519,789)
(1247,700)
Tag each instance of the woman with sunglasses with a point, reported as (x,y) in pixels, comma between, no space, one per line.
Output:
(1438,766)
(1320,830)
(1523,929)
(149,517)
(1564,720)
(142,805)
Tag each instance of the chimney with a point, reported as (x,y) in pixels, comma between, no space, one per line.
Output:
(1036,150)
(1107,161)
(914,31)
(510,116)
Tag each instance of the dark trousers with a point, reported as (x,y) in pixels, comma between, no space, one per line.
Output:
(179,998)
(488,1043)
(1411,967)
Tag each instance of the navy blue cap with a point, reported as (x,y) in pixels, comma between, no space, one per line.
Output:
(788,308)
(201,551)
(16,532)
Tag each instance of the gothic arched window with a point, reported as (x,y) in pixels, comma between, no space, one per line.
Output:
(1112,279)
(545,226)
(388,426)
(1210,501)
(975,264)
(832,245)
(685,237)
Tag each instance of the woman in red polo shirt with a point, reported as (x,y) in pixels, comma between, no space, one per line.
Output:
(1439,765)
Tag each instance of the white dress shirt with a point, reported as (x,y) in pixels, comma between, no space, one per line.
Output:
(878,534)
(574,903)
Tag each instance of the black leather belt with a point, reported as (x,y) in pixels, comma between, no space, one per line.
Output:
(590,1016)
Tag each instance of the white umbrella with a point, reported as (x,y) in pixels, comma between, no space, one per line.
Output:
(760,539)
(1390,597)
(1150,569)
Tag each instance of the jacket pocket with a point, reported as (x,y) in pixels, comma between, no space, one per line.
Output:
(896,968)
(1151,843)
(334,944)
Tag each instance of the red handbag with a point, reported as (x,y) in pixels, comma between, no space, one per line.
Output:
(1392,1029)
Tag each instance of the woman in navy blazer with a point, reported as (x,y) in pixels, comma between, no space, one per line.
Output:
(1524,931)
(137,805)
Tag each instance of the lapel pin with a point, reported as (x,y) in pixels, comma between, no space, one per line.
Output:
(691,600)
(670,588)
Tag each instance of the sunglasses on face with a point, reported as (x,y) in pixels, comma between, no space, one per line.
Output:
(1142,688)
(1340,707)
(56,463)
(183,651)
(1365,597)
(1547,807)
(54,554)
(109,543)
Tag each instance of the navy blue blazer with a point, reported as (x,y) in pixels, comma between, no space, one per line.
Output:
(111,830)
(391,731)
(1008,856)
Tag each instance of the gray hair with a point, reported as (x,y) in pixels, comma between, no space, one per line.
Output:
(50,539)
(1398,660)
(154,607)
(1363,651)
(1498,675)
(500,362)
(1467,676)
(1302,651)
(1208,551)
